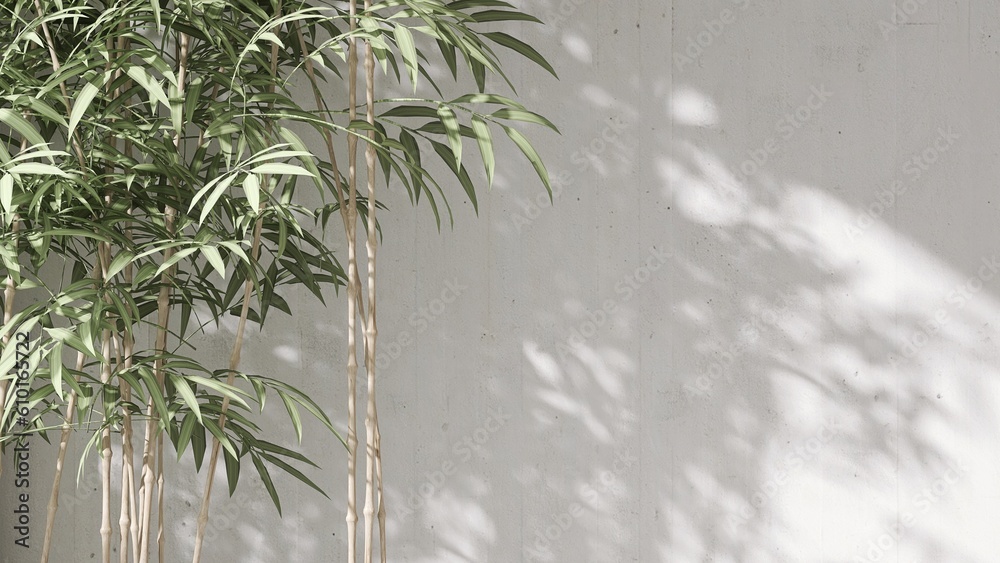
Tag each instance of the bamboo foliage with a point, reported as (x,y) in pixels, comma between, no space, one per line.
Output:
(153,181)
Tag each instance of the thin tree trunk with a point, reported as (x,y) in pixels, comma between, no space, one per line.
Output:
(353,291)
(106,455)
(234,362)
(127,510)
(160,537)
(67,431)
(372,330)
(149,453)
(65,434)
(234,358)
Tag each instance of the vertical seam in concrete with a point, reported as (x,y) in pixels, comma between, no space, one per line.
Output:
(895,220)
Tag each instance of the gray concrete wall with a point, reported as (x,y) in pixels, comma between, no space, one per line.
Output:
(759,324)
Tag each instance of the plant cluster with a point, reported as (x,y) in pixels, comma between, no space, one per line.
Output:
(158,172)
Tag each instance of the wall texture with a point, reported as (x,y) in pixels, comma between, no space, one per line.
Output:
(759,324)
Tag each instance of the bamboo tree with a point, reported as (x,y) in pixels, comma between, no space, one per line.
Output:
(154,211)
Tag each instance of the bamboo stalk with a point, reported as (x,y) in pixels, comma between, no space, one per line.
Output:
(234,362)
(128,527)
(54,59)
(50,518)
(104,262)
(64,436)
(160,536)
(234,358)
(372,330)
(359,303)
(127,509)
(128,450)
(106,455)
(149,454)
(353,290)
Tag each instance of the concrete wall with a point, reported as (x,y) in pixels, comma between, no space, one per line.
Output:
(760,322)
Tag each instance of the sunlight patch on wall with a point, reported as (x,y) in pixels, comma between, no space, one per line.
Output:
(690,107)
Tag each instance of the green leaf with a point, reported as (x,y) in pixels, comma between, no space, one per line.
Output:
(187,394)
(485,139)
(81,104)
(215,191)
(216,431)
(37,169)
(293,414)
(251,187)
(184,437)
(150,85)
(6,192)
(288,468)
(215,259)
(14,120)
(56,368)
(521,47)
(503,15)
(122,259)
(405,40)
(453,131)
(281,168)
(268,484)
(232,471)
(523,115)
(532,155)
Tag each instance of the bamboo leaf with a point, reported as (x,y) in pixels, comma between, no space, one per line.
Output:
(14,120)
(187,394)
(450,122)
(293,414)
(81,105)
(56,368)
(405,40)
(525,116)
(232,471)
(215,259)
(37,169)
(532,155)
(184,436)
(485,139)
(251,187)
(122,259)
(281,168)
(523,48)
(6,192)
(265,476)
